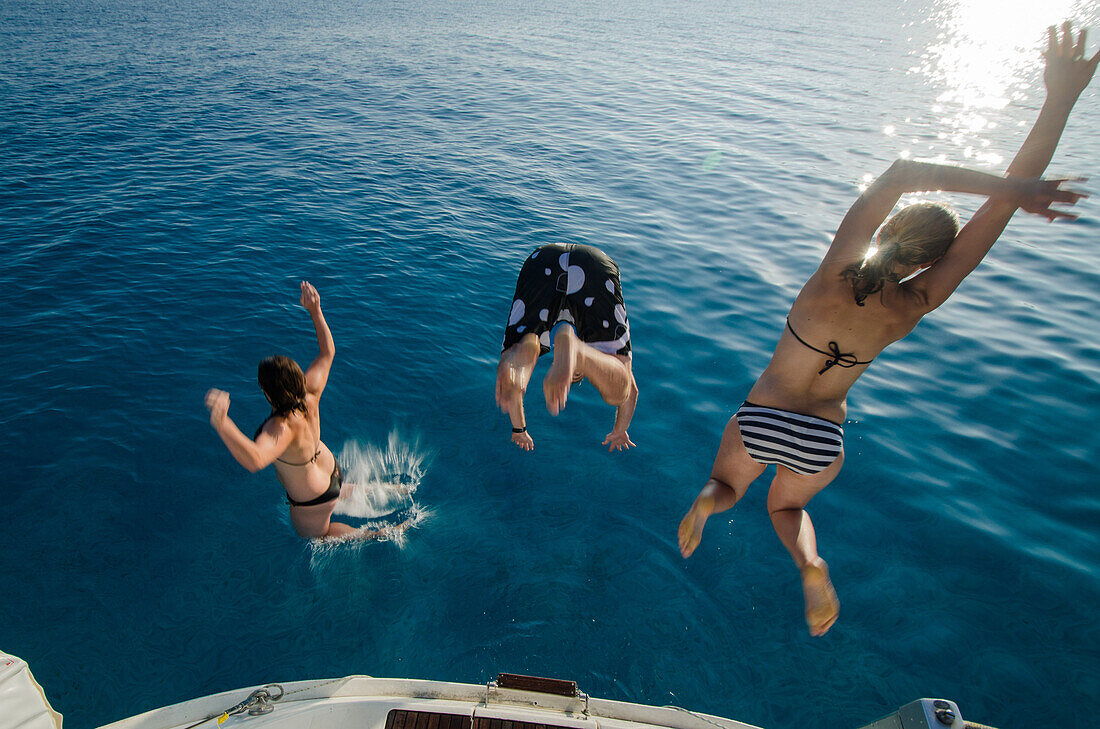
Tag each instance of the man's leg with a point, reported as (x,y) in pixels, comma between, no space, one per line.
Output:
(573,359)
(733,471)
(787,499)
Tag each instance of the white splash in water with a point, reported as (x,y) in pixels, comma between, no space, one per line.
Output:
(379,482)
(324,550)
(377,495)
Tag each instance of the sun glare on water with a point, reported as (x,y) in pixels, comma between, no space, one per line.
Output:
(987,50)
(983,56)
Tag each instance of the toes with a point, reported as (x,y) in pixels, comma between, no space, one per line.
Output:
(822,628)
(688,536)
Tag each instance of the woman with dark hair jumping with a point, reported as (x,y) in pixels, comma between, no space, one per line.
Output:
(291,436)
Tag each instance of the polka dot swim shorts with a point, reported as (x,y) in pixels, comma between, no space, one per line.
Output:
(574,283)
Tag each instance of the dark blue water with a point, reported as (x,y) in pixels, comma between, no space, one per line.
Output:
(172,170)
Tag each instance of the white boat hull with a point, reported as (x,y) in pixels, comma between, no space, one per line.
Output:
(363,702)
(366,703)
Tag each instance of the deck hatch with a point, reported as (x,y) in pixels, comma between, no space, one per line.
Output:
(490,723)
(402,719)
(536,683)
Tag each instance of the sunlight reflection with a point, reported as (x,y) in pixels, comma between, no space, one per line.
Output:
(988,50)
(985,56)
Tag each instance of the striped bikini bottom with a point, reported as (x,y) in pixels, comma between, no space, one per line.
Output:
(802,443)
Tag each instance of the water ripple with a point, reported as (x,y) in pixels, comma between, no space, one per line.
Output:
(172,171)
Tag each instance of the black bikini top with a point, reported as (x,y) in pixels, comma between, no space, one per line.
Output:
(311,460)
(280,460)
(844,359)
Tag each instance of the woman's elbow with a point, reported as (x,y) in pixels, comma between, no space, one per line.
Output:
(900,171)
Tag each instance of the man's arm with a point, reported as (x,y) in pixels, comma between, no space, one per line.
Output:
(518,419)
(618,438)
(513,374)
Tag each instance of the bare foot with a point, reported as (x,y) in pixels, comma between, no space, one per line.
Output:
(393,531)
(691,526)
(822,605)
(560,377)
(387,532)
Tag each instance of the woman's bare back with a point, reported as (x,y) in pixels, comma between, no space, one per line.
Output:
(305,467)
(828,344)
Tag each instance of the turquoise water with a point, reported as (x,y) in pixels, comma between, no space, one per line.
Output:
(171,171)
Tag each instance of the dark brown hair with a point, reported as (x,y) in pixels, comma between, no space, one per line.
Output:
(283,383)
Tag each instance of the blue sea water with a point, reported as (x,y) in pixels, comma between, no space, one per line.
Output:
(172,170)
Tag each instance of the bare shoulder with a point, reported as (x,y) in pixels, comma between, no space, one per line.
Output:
(911,300)
(275,427)
(901,308)
(312,402)
(826,286)
(313,410)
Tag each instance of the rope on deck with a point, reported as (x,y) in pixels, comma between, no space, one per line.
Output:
(258,702)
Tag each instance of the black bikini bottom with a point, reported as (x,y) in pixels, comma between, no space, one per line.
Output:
(331,494)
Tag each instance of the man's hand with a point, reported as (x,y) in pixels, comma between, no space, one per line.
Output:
(311,300)
(618,440)
(217,402)
(524,440)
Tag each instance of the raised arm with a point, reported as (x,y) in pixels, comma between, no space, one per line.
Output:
(1067,74)
(866,215)
(256,454)
(317,374)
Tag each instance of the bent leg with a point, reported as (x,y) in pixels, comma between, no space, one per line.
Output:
(573,359)
(387,532)
(787,499)
(314,522)
(733,471)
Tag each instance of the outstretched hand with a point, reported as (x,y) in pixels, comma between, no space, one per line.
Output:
(618,440)
(1044,193)
(217,402)
(1068,72)
(311,300)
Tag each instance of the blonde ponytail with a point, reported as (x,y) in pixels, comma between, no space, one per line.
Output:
(917,235)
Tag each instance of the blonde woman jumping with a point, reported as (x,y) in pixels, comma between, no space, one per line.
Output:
(862,298)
